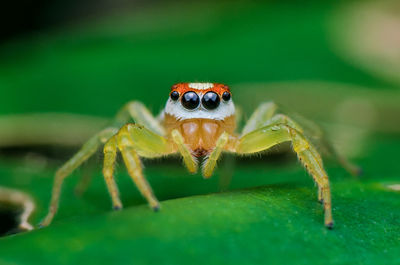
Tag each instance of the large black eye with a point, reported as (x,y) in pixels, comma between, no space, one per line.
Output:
(210,100)
(190,100)
(174,95)
(226,96)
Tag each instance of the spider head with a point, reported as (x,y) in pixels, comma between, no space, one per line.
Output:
(200,100)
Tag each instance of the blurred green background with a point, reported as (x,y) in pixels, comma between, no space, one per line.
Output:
(67,67)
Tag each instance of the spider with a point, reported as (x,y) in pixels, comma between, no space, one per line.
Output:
(198,121)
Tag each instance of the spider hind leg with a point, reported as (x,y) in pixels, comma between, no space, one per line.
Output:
(88,149)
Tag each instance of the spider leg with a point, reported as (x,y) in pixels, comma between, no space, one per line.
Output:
(188,159)
(320,195)
(271,135)
(134,140)
(211,161)
(263,113)
(132,110)
(88,149)
(325,144)
(135,111)
(283,119)
(141,115)
(110,155)
(227,167)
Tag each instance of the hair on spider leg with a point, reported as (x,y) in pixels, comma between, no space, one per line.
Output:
(204,161)
(280,154)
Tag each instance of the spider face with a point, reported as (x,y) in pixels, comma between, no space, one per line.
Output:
(200,101)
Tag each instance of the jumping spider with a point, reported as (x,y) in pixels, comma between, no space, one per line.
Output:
(197,121)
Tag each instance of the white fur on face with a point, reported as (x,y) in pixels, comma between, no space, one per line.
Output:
(224,110)
(201,86)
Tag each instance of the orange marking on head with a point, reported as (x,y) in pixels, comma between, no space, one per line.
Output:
(182,88)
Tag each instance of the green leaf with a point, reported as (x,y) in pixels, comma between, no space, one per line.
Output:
(278,222)
(270,214)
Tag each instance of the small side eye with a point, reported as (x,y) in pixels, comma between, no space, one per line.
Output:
(226,96)
(174,95)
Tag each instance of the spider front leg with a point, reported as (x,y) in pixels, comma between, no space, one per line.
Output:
(131,111)
(132,141)
(188,159)
(271,135)
(110,155)
(211,160)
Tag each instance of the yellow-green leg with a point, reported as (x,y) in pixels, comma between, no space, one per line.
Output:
(268,136)
(88,149)
(110,155)
(188,159)
(136,111)
(320,195)
(211,160)
(132,110)
(134,139)
(323,142)
(227,168)
(263,113)
(283,119)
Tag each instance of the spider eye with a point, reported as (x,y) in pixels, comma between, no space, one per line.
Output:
(190,100)
(174,95)
(210,100)
(226,96)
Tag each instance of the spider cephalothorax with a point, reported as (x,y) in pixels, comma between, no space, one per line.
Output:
(201,112)
(199,120)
